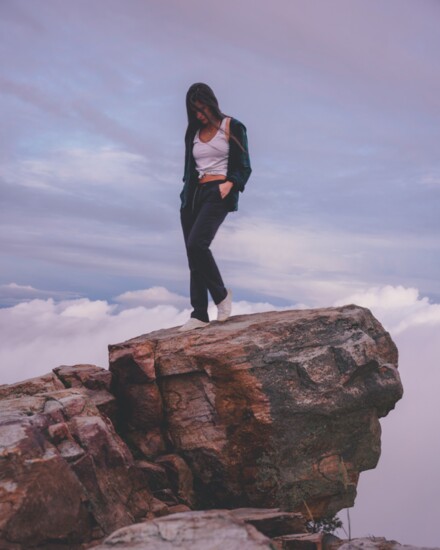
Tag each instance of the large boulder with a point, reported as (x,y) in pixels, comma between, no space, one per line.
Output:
(66,477)
(276,409)
(201,530)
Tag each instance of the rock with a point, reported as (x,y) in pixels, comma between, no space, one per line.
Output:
(202,530)
(66,476)
(94,382)
(326,541)
(84,376)
(178,508)
(156,475)
(309,541)
(41,384)
(275,409)
(272,522)
(376,543)
(180,477)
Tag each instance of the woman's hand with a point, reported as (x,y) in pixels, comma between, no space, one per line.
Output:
(225,188)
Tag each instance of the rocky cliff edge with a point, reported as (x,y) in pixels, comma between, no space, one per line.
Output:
(272,410)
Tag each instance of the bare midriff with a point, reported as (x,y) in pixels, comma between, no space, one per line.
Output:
(211,177)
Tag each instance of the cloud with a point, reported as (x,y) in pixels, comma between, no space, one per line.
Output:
(41,334)
(16,17)
(399,308)
(317,264)
(151,296)
(68,168)
(343,144)
(13,293)
(431,180)
(38,335)
(398,499)
(108,127)
(31,94)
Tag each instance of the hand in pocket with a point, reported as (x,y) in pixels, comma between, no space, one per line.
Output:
(225,188)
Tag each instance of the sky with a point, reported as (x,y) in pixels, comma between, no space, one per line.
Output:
(341,101)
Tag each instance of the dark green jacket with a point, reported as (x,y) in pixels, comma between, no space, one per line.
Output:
(239,166)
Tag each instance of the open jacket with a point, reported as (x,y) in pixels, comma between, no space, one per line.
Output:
(239,166)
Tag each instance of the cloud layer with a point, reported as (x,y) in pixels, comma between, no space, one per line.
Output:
(40,334)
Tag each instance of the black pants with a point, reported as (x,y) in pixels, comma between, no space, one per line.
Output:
(200,221)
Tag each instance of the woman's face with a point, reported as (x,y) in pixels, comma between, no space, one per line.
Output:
(203,112)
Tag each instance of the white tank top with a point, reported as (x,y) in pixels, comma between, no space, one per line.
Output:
(212,157)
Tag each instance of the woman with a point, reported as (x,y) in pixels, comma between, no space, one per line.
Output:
(217,167)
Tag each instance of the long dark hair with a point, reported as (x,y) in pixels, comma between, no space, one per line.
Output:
(203,93)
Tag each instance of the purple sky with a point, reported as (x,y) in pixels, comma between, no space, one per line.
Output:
(341,101)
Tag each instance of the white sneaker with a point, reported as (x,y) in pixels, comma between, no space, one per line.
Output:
(224,307)
(193,323)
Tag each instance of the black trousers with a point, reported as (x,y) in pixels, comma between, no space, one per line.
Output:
(200,221)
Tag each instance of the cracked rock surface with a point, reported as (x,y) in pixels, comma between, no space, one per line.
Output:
(277,409)
(202,530)
(66,477)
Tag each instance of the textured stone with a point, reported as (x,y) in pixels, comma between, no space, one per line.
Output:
(93,381)
(377,543)
(277,409)
(309,541)
(180,477)
(274,409)
(66,476)
(272,522)
(156,475)
(203,530)
(40,384)
(87,376)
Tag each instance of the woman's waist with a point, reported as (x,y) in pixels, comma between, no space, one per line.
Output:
(209,178)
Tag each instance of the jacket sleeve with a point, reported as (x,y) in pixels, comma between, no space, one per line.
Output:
(240,165)
(185,163)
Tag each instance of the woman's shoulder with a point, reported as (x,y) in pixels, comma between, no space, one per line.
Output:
(236,124)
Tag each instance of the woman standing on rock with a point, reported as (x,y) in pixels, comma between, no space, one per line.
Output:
(217,167)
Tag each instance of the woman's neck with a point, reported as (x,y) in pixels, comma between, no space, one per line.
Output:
(212,125)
